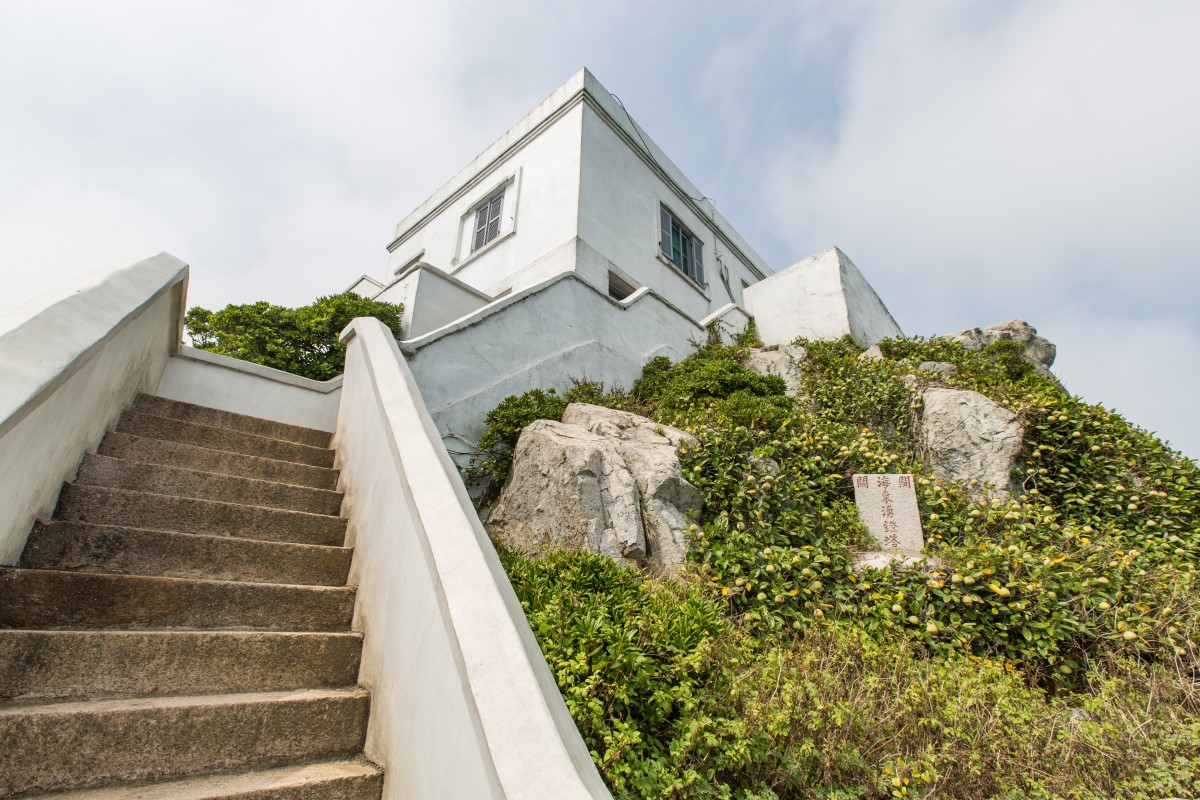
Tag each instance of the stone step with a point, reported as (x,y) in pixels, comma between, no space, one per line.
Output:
(174,454)
(75,745)
(250,444)
(37,598)
(83,547)
(41,666)
(325,780)
(98,470)
(213,417)
(103,505)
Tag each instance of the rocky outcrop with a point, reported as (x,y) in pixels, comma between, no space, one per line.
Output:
(602,481)
(785,360)
(1039,350)
(967,436)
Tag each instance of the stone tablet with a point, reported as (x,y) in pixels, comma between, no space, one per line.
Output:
(887,505)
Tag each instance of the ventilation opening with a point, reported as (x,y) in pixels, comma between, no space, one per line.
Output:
(617,288)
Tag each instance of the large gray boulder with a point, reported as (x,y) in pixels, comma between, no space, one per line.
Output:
(786,361)
(1039,350)
(967,436)
(569,489)
(603,481)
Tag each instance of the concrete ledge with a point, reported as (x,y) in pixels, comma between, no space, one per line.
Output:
(198,376)
(463,704)
(544,336)
(73,358)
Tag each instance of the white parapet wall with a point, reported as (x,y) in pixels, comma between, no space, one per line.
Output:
(561,330)
(463,704)
(823,296)
(209,379)
(73,358)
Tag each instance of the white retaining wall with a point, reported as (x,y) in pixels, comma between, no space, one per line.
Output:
(73,358)
(462,704)
(543,337)
(209,379)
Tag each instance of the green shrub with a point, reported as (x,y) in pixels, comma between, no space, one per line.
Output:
(1051,654)
(303,341)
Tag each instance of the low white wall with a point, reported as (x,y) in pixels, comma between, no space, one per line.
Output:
(543,337)
(208,379)
(462,704)
(73,359)
(823,296)
(431,298)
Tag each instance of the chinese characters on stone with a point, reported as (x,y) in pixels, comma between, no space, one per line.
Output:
(887,505)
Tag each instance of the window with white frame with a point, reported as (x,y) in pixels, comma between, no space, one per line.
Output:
(487,220)
(680,247)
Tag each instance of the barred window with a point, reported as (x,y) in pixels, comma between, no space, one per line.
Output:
(680,247)
(487,221)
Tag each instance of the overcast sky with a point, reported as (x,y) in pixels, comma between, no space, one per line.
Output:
(979,161)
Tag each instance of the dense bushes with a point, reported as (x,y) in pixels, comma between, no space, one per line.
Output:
(1053,654)
(303,341)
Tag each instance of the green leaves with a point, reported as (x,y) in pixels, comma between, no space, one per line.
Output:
(1083,593)
(301,340)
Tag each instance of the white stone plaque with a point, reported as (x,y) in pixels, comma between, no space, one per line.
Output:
(887,505)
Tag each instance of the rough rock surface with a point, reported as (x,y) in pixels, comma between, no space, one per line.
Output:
(1039,350)
(602,481)
(786,361)
(968,436)
(941,367)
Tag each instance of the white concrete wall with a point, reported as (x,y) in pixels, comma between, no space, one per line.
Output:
(431,299)
(73,359)
(823,296)
(462,702)
(622,184)
(543,337)
(209,379)
(539,160)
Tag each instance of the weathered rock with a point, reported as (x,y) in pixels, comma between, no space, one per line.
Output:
(569,489)
(1039,350)
(941,367)
(967,436)
(872,353)
(786,361)
(602,481)
(668,501)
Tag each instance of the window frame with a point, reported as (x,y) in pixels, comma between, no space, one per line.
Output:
(487,218)
(465,250)
(679,247)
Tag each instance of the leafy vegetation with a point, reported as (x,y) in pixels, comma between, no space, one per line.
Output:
(1052,653)
(303,341)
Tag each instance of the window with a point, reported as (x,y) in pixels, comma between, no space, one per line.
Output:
(678,246)
(487,221)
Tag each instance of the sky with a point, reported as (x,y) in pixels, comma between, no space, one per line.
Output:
(978,161)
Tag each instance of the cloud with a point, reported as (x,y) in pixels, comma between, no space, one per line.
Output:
(978,161)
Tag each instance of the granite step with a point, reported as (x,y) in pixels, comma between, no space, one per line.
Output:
(99,470)
(37,598)
(103,505)
(356,779)
(250,444)
(41,665)
(203,415)
(99,742)
(205,459)
(326,780)
(83,547)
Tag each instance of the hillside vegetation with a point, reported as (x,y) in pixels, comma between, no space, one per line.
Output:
(1053,654)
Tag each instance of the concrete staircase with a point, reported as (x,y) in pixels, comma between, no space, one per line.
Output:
(181,628)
